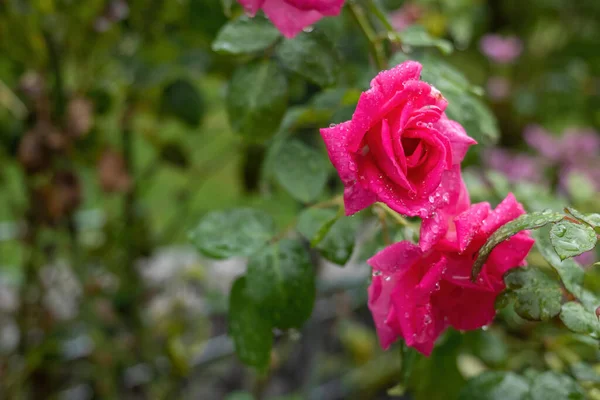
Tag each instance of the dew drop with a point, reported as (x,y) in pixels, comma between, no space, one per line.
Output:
(560,230)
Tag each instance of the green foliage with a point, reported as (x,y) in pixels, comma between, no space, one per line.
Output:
(332,236)
(250,331)
(256,100)
(245,35)
(183,100)
(301,170)
(496,385)
(281,280)
(237,232)
(571,239)
(580,320)
(535,295)
(315,223)
(426,383)
(592,220)
(311,55)
(555,386)
(417,36)
(526,221)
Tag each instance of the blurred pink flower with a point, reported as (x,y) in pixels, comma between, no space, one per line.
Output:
(498,88)
(576,151)
(517,167)
(501,50)
(405,16)
(416,295)
(291,16)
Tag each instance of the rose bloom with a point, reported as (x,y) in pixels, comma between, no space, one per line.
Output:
(417,294)
(399,148)
(291,16)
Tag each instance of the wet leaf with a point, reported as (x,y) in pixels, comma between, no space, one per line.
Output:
(281,280)
(496,385)
(311,55)
(580,320)
(257,100)
(535,295)
(592,220)
(570,239)
(230,233)
(554,386)
(315,223)
(245,35)
(301,170)
(524,222)
(417,36)
(251,332)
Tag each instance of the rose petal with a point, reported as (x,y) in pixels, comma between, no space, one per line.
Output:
(251,6)
(288,19)
(464,308)
(380,146)
(356,198)
(468,224)
(395,258)
(458,138)
(336,140)
(509,254)
(325,7)
(506,211)
(387,90)
(379,305)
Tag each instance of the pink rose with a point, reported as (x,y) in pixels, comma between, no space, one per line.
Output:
(291,16)
(399,148)
(417,294)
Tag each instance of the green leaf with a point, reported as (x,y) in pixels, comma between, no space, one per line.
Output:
(315,223)
(245,35)
(182,100)
(301,170)
(571,239)
(474,115)
(251,332)
(569,271)
(584,372)
(236,232)
(312,56)
(281,279)
(333,236)
(256,100)
(338,244)
(496,385)
(417,36)
(554,386)
(592,220)
(527,221)
(438,376)
(536,296)
(445,77)
(580,320)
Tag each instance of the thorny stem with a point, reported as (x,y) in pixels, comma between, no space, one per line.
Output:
(375,45)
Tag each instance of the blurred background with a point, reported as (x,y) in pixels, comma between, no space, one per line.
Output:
(115,142)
